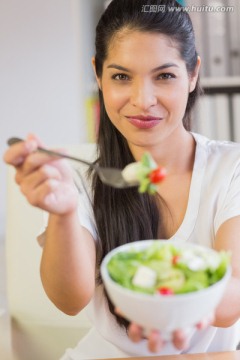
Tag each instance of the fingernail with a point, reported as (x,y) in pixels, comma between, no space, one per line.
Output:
(53,183)
(18,161)
(117,311)
(31,145)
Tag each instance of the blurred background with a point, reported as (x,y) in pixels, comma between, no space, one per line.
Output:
(47,84)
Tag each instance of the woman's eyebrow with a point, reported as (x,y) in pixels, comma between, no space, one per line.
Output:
(161,67)
(164,66)
(118,67)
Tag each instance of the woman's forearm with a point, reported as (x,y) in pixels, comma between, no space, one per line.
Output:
(228,311)
(68,263)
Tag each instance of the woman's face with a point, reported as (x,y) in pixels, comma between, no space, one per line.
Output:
(145,87)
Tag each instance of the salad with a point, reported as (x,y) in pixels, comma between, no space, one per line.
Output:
(145,173)
(167,269)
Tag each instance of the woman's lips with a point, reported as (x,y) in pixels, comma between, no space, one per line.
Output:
(144,122)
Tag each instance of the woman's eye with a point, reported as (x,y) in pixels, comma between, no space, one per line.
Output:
(120,77)
(166,76)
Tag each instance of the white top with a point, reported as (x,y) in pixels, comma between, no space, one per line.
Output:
(214,198)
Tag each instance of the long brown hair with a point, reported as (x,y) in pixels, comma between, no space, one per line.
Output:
(124,216)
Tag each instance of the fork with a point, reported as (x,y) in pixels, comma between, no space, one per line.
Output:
(108,175)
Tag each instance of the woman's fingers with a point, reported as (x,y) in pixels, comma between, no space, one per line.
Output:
(40,195)
(17,153)
(54,196)
(180,339)
(207,321)
(118,311)
(32,163)
(35,138)
(34,179)
(135,332)
(46,181)
(155,342)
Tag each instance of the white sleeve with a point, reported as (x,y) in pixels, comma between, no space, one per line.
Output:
(85,209)
(231,204)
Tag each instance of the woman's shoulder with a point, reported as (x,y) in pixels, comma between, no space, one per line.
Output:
(218,150)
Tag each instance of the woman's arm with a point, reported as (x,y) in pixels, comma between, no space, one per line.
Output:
(228,238)
(68,261)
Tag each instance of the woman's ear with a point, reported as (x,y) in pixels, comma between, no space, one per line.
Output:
(194,75)
(94,69)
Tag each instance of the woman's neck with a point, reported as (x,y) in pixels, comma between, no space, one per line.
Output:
(176,152)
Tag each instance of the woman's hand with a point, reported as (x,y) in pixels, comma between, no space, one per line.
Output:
(180,338)
(156,342)
(45,181)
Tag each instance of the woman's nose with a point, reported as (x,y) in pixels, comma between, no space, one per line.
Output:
(143,95)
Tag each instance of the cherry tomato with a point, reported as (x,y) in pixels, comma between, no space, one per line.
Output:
(157,175)
(165,291)
(175,259)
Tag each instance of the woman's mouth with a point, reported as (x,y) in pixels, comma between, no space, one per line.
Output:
(144,122)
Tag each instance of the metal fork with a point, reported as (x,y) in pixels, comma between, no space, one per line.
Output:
(108,175)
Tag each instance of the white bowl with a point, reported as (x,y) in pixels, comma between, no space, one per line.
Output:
(165,313)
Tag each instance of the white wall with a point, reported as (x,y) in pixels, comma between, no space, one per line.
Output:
(45,77)
(45,71)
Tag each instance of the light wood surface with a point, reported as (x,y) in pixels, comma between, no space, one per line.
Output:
(231,355)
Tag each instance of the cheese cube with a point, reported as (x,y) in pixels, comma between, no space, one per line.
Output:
(144,277)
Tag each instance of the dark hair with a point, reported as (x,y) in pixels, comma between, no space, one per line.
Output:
(123,216)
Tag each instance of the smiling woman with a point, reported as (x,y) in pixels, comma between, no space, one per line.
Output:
(147,94)
(147,68)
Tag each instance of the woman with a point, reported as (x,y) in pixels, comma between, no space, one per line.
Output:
(147,68)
